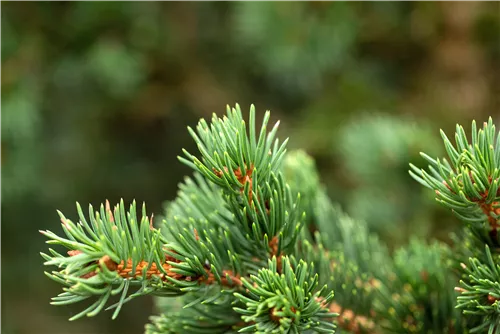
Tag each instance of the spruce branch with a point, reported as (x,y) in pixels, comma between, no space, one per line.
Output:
(285,300)
(259,210)
(116,251)
(112,253)
(228,220)
(232,247)
(469,182)
(480,293)
(231,153)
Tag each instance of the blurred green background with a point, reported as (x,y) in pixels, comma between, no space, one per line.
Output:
(96,97)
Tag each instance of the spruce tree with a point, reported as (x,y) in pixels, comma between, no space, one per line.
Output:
(252,243)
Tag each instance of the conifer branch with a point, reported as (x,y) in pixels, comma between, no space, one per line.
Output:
(112,253)
(286,302)
(235,214)
(233,249)
(468,184)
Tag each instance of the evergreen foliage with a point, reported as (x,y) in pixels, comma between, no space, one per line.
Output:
(468,184)
(252,243)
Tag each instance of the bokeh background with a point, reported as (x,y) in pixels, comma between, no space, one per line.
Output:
(96,97)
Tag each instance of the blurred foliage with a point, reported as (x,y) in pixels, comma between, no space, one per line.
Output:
(374,151)
(96,97)
(320,43)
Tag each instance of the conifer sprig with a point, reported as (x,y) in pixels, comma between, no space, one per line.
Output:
(285,300)
(110,253)
(246,168)
(233,250)
(480,292)
(228,220)
(469,184)
(115,252)
(231,153)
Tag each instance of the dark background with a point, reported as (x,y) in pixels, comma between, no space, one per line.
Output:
(96,97)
